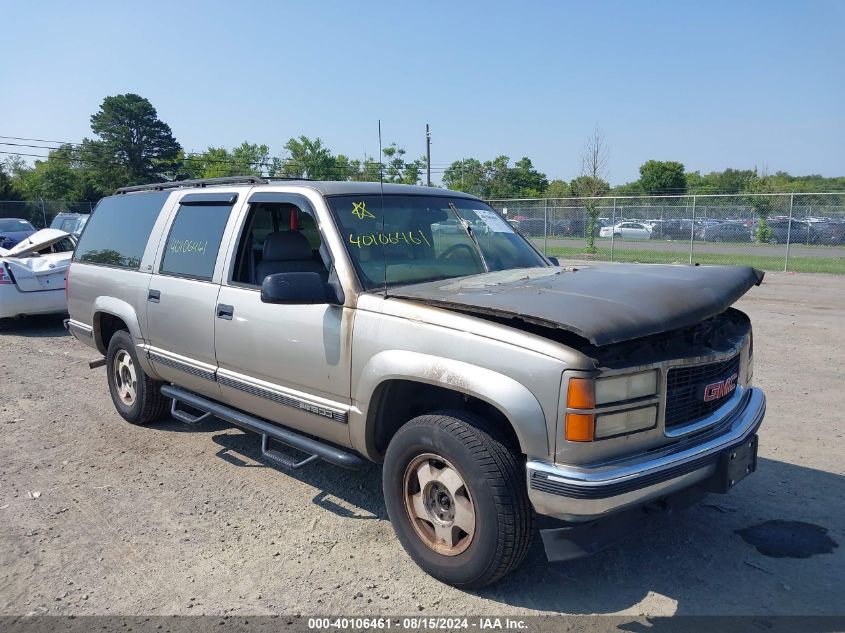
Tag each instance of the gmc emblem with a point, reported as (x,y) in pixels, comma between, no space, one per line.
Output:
(720,389)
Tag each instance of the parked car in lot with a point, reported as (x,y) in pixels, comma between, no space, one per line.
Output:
(723,232)
(829,232)
(492,383)
(805,232)
(672,230)
(529,227)
(13,230)
(32,274)
(576,227)
(447,227)
(627,231)
(73,223)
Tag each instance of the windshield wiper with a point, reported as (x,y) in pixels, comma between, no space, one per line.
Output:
(468,229)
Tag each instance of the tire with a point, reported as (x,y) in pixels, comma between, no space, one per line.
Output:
(136,396)
(490,482)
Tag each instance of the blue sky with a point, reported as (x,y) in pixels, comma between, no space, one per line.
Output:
(711,84)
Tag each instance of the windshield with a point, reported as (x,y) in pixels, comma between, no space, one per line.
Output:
(404,239)
(15,225)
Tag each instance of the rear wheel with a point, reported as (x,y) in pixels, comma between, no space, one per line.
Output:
(136,396)
(457,499)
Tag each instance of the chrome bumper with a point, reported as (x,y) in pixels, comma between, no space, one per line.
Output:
(581,494)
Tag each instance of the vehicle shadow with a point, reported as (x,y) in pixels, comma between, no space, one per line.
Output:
(695,558)
(355,495)
(36,326)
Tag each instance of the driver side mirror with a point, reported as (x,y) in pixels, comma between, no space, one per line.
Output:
(297,289)
(554,260)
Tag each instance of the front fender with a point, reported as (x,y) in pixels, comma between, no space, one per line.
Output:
(512,398)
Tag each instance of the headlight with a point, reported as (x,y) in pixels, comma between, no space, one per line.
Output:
(585,398)
(624,422)
(626,387)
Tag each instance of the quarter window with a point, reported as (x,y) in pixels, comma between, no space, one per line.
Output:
(119,229)
(194,240)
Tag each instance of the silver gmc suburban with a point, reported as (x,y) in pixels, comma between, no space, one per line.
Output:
(344,321)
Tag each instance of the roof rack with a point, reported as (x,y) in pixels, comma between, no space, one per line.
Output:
(198,182)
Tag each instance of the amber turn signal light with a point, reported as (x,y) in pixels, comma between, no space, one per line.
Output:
(581,394)
(580,427)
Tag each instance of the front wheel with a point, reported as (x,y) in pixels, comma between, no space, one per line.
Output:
(457,499)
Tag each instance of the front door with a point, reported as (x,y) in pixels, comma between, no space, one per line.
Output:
(182,297)
(286,363)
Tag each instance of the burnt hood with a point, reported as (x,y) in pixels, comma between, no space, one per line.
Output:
(603,303)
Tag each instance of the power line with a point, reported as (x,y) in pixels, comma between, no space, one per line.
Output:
(186,154)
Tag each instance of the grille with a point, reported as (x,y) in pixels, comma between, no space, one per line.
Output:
(685,387)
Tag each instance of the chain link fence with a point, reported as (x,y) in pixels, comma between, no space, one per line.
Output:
(40,213)
(802,232)
(792,232)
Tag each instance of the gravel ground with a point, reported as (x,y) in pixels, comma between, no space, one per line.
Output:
(168,519)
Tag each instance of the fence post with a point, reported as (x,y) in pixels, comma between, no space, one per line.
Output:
(612,228)
(43,213)
(546,226)
(692,232)
(788,233)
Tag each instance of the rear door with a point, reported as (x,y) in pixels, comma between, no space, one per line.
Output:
(182,296)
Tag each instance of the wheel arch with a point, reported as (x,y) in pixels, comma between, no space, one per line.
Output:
(110,315)
(106,310)
(399,385)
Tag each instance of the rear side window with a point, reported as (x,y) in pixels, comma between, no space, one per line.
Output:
(194,240)
(119,228)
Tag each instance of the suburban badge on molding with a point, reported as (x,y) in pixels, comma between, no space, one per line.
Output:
(720,389)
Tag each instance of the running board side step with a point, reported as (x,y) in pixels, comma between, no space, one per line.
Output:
(314,448)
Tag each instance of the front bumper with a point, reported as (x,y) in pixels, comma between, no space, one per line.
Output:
(581,494)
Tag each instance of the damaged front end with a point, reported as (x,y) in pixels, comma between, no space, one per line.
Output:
(602,303)
(661,411)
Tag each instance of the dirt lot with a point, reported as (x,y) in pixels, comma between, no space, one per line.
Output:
(173,520)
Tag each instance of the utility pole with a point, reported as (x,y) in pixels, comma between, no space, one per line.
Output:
(427,156)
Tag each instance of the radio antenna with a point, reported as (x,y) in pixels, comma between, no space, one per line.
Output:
(381,189)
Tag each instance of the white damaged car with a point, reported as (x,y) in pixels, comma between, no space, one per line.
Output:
(33,274)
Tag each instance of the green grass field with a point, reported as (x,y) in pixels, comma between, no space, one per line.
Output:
(834,265)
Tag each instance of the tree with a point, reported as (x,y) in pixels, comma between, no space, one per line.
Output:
(247,159)
(728,181)
(591,182)
(525,181)
(662,177)
(309,159)
(762,206)
(134,145)
(496,178)
(63,176)
(467,175)
(8,187)
(558,189)
(397,170)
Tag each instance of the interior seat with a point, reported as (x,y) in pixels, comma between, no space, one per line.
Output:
(287,252)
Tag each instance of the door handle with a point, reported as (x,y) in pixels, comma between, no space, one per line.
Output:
(225,311)
(154,296)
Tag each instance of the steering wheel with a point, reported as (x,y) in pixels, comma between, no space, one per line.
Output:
(452,251)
